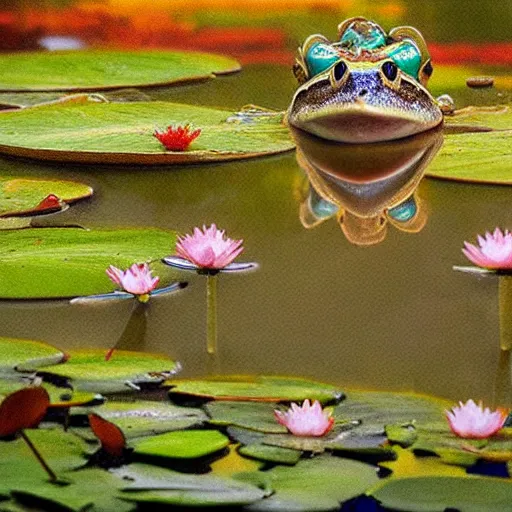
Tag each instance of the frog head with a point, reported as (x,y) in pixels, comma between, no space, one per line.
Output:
(366,87)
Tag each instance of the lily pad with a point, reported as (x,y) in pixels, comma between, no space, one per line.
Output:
(481,118)
(251,415)
(144,418)
(122,133)
(257,388)
(185,444)
(62,451)
(22,196)
(69,262)
(273,454)
(318,484)
(440,493)
(155,485)
(475,158)
(87,489)
(94,70)
(87,370)
(25,355)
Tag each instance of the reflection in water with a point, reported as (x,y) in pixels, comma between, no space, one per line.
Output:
(365,186)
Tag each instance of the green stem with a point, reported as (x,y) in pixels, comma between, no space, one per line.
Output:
(505,305)
(211,314)
(39,457)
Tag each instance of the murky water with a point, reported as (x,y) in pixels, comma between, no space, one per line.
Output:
(391,316)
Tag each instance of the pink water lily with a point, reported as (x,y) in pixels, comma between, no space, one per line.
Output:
(209,248)
(472,421)
(494,251)
(308,420)
(137,280)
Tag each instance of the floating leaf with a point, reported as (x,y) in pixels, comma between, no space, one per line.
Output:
(24,196)
(25,355)
(144,418)
(123,133)
(111,436)
(23,409)
(87,489)
(93,70)
(440,493)
(318,484)
(497,117)
(185,444)
(63,451)
(162,486)
(87,370)
(257,388)
(273,454)
(251,415)
(475,158)
(70,262)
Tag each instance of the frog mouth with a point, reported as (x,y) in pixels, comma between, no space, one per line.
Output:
(359,123)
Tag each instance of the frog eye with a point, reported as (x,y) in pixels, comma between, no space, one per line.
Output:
(338,74)
(405,211)
(389,70)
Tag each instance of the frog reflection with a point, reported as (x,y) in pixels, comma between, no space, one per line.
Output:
(366,187)
(367,86)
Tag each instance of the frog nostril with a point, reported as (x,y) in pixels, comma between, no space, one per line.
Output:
(390,70)
(363,92)
(339,71)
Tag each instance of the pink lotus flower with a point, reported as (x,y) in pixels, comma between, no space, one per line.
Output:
(308,420)
(495,251)
(209,249)
(474,422)
(137,280)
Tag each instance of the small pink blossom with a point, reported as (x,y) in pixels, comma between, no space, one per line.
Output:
(209,248)
(137,280)
(308,420)
(472,421)
(495,251)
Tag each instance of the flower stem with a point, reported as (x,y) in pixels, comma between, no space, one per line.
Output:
(211,314)
(39,457)
(505,305)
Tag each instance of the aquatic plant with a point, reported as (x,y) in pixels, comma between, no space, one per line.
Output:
(177,138)
(136,280)
(209,252)
(209,249)
(472,421)
(494,251)
(306,420)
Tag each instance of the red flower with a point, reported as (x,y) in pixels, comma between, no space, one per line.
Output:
(177,138)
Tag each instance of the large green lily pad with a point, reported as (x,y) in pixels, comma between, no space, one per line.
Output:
(91,489)
(475,157)
(318,484)
(440,493)
(123,133)
(87,370)
(21,196)
(27,354)
(185,444)
(62,451)
(144,417)
(162,486)
(257,388)
(93,70)
(70,262)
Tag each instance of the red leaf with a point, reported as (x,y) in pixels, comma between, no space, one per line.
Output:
(23,409)
(111,436)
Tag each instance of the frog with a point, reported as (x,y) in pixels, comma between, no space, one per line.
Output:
(367,86)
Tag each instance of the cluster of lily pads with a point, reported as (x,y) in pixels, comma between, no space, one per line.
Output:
(227,440)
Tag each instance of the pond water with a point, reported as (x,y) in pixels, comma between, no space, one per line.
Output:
(392,316)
